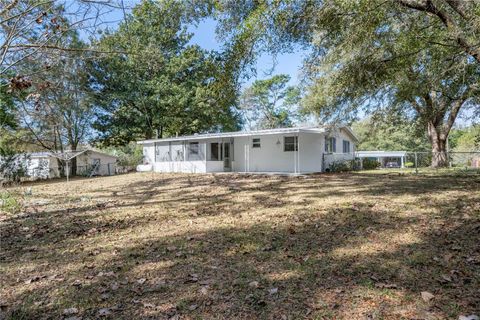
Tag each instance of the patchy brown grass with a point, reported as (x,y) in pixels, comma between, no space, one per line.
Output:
(178,246)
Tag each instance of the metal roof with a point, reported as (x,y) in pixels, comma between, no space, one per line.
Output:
(246,134)
(380,154)
(66,155)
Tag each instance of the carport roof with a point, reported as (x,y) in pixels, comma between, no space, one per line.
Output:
(380,154)
(248,133)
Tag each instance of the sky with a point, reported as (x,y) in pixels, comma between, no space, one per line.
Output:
(204,36)
(267,65)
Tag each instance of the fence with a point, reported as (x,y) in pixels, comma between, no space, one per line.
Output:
(407,162)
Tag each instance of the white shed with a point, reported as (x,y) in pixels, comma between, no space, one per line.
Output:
(47,165)
(284,150)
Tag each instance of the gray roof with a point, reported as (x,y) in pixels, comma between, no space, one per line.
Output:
(380,154)
(246,134)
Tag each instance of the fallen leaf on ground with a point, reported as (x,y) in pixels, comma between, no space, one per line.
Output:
(70,311)
(427,296)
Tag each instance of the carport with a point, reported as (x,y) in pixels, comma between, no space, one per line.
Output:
(383,157)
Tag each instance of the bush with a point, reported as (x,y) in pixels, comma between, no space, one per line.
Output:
(369,164)
(340,166)
(409,164)
(9,203)
(129,155)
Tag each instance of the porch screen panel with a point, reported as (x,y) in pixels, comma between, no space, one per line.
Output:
(195,151)
(177,151)
(162,151)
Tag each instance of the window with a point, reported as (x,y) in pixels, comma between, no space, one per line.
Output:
(214,154)
(290,144)
(256,143)
(193,148)
(346,146)
(330,144)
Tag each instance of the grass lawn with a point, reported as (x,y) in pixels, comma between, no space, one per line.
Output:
(226,246)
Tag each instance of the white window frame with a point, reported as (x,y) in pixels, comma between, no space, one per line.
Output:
(294,143)
(346,143)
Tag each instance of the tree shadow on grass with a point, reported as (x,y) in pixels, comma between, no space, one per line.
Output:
(348,262)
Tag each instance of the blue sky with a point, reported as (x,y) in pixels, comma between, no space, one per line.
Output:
(204,36)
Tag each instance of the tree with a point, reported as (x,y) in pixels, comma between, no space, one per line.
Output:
(399,134)
(34,30)
(268,103)
(375,56)
(57,114)
(466,139)
(7,107)
(166,86)
(53,111)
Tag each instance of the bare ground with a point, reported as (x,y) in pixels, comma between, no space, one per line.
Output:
(178,246)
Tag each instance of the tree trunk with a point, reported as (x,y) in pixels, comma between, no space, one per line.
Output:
(73,163)
(439,154)
(439,147)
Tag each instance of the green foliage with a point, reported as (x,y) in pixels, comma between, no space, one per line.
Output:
(400,135)
(372,56)
(9,202)
(465,139)
(341,166)
(162,85)
(370,164)
(7,107)
(270,103)
(128,155)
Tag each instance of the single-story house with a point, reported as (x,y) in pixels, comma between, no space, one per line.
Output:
(394,159)
(283,150)
(46,165)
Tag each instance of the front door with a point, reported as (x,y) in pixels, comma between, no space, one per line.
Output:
(227,160)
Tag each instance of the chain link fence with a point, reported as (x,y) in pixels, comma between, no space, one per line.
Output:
(454,161)
(416,162)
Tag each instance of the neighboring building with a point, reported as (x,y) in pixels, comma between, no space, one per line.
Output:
(394,159)
(47,165)
(288,150)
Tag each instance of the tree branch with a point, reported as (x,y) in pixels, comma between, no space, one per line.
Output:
(429,7)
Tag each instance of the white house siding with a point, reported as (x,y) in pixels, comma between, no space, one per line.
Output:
(107,166)
(173,156)
(340,135)
(38,168)
(149,153)
(270,157)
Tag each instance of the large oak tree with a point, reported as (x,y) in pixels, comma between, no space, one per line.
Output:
(418,57)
